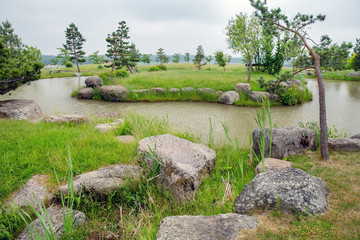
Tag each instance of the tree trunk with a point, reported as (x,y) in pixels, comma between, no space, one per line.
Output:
(112,72)
(249,71)
(130,69)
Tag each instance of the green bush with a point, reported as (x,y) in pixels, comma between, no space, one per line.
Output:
(154,69)
(68,64)
(121,73)
(162,67)
(100,66)
(105,77)
(125,129)
(287,97)
(97,95)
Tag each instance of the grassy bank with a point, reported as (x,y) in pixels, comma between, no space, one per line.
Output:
(136,211)
(338,75)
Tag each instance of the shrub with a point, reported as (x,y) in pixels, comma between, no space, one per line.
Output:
(162,67)
(97,95)
(105,77)
(154,69)
(68,64)
(125,129)
(100,66)
(121,73)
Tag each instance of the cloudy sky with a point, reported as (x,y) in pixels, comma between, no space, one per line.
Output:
(176,26)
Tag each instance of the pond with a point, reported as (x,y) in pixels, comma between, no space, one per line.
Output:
(342,99)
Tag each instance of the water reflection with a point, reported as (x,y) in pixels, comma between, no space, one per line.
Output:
(342,99)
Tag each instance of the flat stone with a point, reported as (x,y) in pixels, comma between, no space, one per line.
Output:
(106,127)
(37,185)
(344,144)
(188,89)
(93,81)
(290,189)
(113,93)
(20,109)
(66,119)
(173,90)
(286,141)
(258,96)
(158,90)
(271,164)
(105,180)
(141,90)
(206,90)
(357,136)
(242,87)
(184,164)
(229,97)
(219,227)
(125,138)
(218,92)
(56,214)
(86,93)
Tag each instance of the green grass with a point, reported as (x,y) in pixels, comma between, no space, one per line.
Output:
(338,75)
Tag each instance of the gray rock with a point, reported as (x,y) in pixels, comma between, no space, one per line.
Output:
(188,89)
(105,180)
(243,87)
(258,96)
(206,90)
(354,74)
(174,90)
(310,72)
(294,189)
(271,164)
(125,138)
(183,163)
(218,92)
(20,109)
(287,141)
(56,214)
(92,82)
(66,119)
(106,127)
(37,185)
(86,93)
(219,227)
(141,90)
(158,90)
(294,82)
(229,97)
(357,136)
(113,93)
(344,144)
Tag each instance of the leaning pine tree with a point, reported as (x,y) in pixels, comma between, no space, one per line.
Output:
(74,44)
(297,26)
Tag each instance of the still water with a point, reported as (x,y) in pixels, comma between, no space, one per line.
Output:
(342,99)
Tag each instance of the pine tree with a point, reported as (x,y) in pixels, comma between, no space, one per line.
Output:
(161,56)
(187,57)
(199,57)
(356,63)
(74,44)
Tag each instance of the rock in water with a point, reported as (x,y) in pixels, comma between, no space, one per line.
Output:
(219,227)
(104,180)
(272,164)
(34,186)
(258,96)
(92,82)
(113,93)
(290,189)
(56,214)
(86,93)
(344,144)
(184,164)
(286,141)
(20,109)
(229,97)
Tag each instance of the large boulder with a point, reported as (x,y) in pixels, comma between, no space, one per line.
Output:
(92,82)
(272,164)
(290,189)
(344,144)
(243,87)
(56,214)
(20,109)
(184,164)
(113,93)
(229,97)
(286,141)
(357,136)
(220,227)
(259,96)
(35,186)
(105,180)
(86,93)
(66,119)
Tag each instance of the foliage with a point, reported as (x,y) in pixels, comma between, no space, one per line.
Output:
(199,57)
(105,77)
(95,58)
(68,64)
(356,62)
(121,73)
(146,58)
(18,63)
(243,36)
(221,59)
(161,57)
(209,59)
(273,60)
(74,44)
(176,58)
(63,56)
(157,68)
(134,58)
(187,57)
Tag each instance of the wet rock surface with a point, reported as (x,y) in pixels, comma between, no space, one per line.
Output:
(20,109)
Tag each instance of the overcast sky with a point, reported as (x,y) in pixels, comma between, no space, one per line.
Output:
(176,26)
